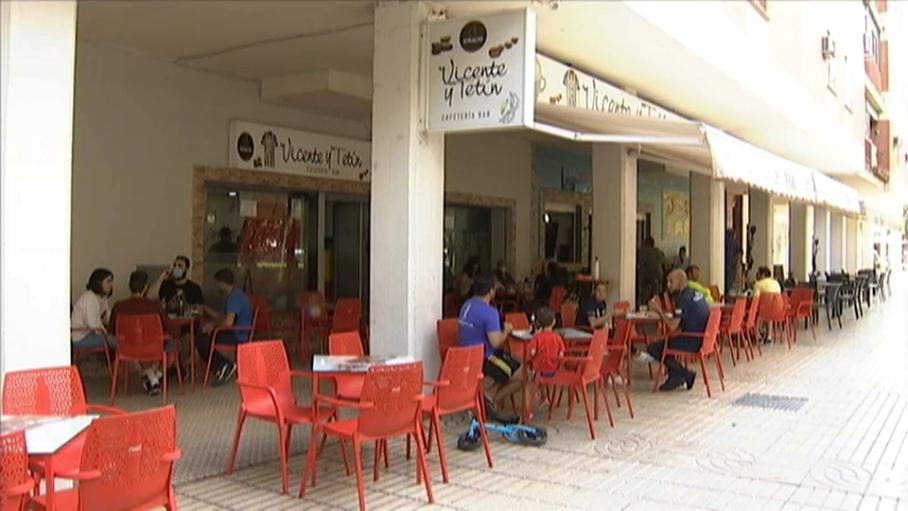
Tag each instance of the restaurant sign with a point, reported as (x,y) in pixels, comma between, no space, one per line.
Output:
(479,72)
(260,147)
(560,84)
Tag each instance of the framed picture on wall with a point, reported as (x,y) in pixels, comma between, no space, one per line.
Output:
(675,214)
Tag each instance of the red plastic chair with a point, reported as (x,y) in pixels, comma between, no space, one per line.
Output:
(78,353)
(228,348)
(716,294)
(15,481)
(774,312)
(348,386)
(142,339)
(127,464)
(519,321)
(459,389)
(315,321)
(347,315)
(588,373)
(568,315)
(55,391)
(451,306)
(556,299)
(446,332)
(732,333)
(615,364)
(751,326)
(266,393)
(707,349)
(391,406)
(622,307)
(667,304)
(263,323)
(802,307)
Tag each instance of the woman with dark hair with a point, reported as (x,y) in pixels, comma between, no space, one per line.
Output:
(467,276)
(91,312)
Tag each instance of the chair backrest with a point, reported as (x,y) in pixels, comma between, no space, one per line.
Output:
(622,334)
(13,470)
(264,364)
(462,369)
(622,307)
(736,320)
(518,320)
(263,318)
(446,331)
(596,352)
(345,343)
(131,451)
(348,313)
(711,334)
(568,315)
(557,297)
(47,391)
(393,391)
(714,291)
(140,336)
(751,319)
(772,306)
(667,304)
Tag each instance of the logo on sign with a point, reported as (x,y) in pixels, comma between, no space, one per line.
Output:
(245,146)
(473,36)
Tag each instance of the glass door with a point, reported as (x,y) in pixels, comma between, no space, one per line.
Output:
(347,233)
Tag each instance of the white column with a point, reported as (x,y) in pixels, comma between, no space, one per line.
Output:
(865,244)
(407,195)
(821,231)
(837,242)
(615,218)
(800,239)
(761,217)
(38,61)
(707,228)
(852,246)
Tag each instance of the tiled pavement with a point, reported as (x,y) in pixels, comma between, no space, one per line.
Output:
(845,448)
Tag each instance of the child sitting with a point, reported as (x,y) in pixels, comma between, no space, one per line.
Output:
(544,350)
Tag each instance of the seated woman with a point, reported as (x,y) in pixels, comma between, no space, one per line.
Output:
(502,276)
(91,312)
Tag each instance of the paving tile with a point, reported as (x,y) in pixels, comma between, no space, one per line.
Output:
(845,449)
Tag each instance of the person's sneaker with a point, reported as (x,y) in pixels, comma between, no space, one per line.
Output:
(617,381)
(643,357)
(690,380)
(672,383)
(224,375)
(493,416)
(152,388)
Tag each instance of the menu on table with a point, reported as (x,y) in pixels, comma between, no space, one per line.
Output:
(354,364)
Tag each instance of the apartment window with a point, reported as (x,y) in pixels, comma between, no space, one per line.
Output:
(871,36)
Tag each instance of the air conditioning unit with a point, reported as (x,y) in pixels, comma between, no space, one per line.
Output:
(828,47)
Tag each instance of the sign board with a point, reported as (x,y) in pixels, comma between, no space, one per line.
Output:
(260,147)
(479,72)
(560,84)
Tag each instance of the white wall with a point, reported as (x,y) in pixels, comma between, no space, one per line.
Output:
(140,126)
(495,165)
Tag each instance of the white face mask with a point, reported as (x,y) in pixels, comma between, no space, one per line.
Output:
(178,273)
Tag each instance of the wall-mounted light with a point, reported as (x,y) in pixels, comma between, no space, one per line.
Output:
(231,194)
(546,218)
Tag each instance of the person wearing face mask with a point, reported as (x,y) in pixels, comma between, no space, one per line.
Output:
(175,281)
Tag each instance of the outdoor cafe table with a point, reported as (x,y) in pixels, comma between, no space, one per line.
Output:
(191,320)
(326,366)
(45,436)
(571,336)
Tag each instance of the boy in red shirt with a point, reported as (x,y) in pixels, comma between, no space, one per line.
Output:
(544,350)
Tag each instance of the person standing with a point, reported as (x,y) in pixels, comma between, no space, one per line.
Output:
(650,261)
(680,260)
(237,312)
(690,317)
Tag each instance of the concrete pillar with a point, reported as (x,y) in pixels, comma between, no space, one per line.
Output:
(800,242)
(615,218)
(865,244)
(837,242)
(761,217)
(407,195)
(38,73)
(707,228)
(821,231)
(852,247)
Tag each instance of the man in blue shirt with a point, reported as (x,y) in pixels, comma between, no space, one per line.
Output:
(690,316)
(594,309)
(480,325)
(237,312)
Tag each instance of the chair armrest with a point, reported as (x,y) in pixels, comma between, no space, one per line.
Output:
(19,489)
(77,475)
(340,402)
(105,409)
(173,455)
(575,359)
(443,383)
(267,390)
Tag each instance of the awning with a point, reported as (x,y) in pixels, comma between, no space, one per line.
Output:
(701,148)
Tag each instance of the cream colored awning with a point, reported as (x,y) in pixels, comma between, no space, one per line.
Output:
(701,148)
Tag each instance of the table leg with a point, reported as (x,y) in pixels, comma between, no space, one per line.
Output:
(525,412)
(192,353)
(50,483)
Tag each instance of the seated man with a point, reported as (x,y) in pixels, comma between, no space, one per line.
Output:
(138,305)
(691,315)
(593,310)
(480,325)
(175,281)
(237,312)
(693,282)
